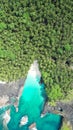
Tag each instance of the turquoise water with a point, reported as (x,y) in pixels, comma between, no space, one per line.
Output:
(31,103)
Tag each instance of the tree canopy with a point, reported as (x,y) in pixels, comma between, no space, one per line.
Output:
(39,30)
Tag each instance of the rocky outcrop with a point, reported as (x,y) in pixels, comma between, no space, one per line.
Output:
(67,111)
(10,90)
(64,109)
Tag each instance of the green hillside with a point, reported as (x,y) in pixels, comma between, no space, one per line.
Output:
(42,30)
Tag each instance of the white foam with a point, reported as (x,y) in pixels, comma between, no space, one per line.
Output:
(24,120)
(6,118)
(34,70)
(2,82)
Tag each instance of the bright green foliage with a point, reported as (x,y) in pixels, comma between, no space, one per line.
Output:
(55,93)
(67,47)
(2,26)
(39,30)
(65,127)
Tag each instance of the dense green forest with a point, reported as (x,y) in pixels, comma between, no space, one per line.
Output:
(42,30)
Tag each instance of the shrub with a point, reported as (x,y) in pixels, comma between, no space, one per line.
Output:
(55,93)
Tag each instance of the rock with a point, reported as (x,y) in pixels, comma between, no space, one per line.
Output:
(67,111)
(9,90)
(64,109)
